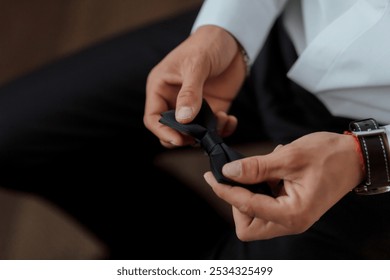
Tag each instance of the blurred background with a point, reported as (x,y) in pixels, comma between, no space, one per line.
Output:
(34,33)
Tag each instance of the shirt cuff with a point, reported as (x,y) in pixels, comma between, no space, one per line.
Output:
(248,21)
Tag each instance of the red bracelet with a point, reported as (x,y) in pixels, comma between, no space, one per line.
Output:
(358,149)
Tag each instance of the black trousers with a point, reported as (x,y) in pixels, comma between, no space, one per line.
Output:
(72,132)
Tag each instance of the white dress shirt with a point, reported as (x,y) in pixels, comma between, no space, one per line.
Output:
(343,47)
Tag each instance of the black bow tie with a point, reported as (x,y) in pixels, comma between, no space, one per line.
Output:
(204,129)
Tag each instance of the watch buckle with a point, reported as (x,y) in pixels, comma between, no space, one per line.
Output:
(367,190)
(370,132)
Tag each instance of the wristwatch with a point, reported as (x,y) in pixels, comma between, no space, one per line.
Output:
(375,150)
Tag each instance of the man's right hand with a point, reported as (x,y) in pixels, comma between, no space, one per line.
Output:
(208,64)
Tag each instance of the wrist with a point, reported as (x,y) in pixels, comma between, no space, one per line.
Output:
(354,141)
(245,59)
(216,38)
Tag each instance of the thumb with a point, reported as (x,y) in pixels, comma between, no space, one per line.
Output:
(189,99)
(254,169)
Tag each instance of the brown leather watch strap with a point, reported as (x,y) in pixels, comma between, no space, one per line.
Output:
(374,146)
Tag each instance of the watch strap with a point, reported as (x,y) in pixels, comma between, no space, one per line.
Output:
(374,146)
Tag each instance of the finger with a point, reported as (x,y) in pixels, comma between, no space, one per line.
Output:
(168,137)
(248,203)
(189,99)
(226,124)
(249,229)
(155,104)
(256,169)
(276,184)
(285,211)
(171,144)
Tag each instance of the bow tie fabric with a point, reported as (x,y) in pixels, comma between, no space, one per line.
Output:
(204,130)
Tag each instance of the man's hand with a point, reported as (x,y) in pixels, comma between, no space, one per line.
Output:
(308,176)
(207,65)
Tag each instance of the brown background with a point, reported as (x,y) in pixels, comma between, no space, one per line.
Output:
(33,33)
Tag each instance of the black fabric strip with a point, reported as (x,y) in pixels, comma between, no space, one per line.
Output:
(204,129)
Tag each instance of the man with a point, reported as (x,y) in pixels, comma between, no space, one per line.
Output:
(74,133)
(310,175)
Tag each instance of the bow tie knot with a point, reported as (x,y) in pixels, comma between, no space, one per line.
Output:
(203,129)
(210,140)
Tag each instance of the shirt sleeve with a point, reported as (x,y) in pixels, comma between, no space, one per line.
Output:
(249,21)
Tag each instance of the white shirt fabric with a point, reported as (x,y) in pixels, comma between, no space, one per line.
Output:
(343,47)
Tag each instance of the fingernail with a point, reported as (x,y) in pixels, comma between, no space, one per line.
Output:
(232,169)
(173,143)
(184,113)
